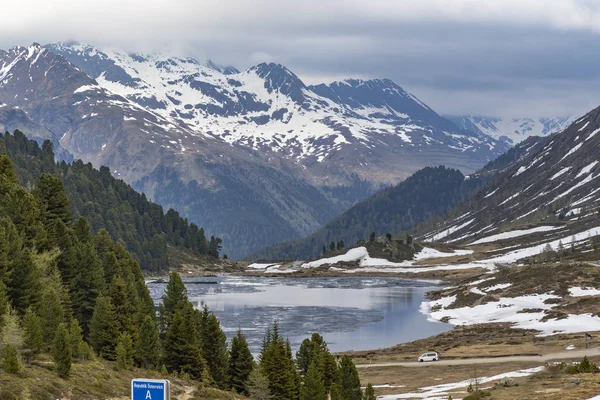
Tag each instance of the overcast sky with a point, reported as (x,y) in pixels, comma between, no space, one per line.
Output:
(481,57)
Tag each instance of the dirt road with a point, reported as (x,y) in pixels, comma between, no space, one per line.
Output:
(573,355)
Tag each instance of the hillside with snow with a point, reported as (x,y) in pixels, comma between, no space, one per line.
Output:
(512,130)
(255,156)
(549,200)
(327,133)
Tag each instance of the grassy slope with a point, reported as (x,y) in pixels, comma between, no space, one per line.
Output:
(97,379)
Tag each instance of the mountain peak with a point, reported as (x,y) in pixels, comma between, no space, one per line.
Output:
(280,79)
(224,69)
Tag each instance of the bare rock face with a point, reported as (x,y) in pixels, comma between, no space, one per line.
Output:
(255,156)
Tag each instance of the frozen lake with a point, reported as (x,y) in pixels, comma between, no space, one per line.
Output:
(351,313)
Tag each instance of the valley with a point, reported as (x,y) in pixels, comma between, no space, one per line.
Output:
(255,156)
(280,201)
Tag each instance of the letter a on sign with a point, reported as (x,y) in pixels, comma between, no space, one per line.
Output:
(150,389)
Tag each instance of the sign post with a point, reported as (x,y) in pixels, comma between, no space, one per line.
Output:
(150,389)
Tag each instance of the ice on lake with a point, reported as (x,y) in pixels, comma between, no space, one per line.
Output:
(351,313)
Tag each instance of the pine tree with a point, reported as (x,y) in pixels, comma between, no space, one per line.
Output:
(87,283)
(241,364)
(369,393)
(77,344)
(33,332)
(372,237)
(12,333)
(277,365)
(175,298)
(124,351)
(10,359)
(328,368)
(214,347)
(147,345)
(335,393)
(51,192)
(315,349)
(25,286)
(313,388)
(304,355)
(104,328)
(350,382)
(124,308)
(4,302)
(182,350)
(258,386)
(61,351)
(51,314)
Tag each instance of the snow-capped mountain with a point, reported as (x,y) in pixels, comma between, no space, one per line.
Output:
(512,130)
(269,109)
(255,156)
(556,185)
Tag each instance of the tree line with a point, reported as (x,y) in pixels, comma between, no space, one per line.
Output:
(140,225)
(193,343)
(426,195)
(76,295)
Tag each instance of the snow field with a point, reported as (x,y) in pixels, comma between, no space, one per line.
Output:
(442,391)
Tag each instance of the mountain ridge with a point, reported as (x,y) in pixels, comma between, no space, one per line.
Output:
(512,130)
(233,151)
(556,185)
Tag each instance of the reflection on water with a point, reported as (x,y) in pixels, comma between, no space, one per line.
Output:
(351,313)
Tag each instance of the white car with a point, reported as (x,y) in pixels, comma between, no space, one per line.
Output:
(432,356)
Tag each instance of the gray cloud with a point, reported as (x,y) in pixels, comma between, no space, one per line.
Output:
(525,57)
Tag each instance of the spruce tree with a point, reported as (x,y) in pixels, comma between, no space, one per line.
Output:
(349,380)
(182,350)
(61,351)
(77,343)
(369,393)
(335,392)
(124,308)
(241,364)
(11,362)
(313,388)
(104,328)
(304,355)
(315,349)
(25,285)
(33,332)
(278,366)
(175,298)
(86,285)
(51,193)
(147,345)
(258,386)
(124,351)
(51,314)
(214,347)
(12,333)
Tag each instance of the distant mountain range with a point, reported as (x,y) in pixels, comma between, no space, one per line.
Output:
(254,156)
(425,197)
(512,130)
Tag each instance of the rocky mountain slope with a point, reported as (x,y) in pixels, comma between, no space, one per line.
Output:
(254,156)
(512,130)
(549,199)
(427,195)
(324,133)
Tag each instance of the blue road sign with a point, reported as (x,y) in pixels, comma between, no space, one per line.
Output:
(150,389)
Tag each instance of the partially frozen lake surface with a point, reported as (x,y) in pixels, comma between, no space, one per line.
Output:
(351,313)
